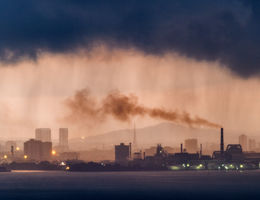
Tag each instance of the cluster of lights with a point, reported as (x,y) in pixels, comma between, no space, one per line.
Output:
(199,166)
(186,166)
(231,166)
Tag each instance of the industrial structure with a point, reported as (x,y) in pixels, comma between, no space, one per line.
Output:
(233,157)
(122,154)
(37,150)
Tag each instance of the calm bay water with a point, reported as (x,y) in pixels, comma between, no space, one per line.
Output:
(130,185)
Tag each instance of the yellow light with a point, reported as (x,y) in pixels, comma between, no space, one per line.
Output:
(17,148)
(25,156)
(174,168)
(188,165)
(5,157)
(53,152)
(67,168)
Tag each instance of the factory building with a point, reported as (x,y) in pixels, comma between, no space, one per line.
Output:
(43,134)
(122,154)
(37,150)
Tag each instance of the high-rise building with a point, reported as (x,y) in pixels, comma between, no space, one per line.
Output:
(43,134)
(63,139)
(38,150)
(243,142)
(122,154)
(251,145)
(191,145)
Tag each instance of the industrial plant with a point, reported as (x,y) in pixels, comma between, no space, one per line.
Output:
(40,153)
(231,158)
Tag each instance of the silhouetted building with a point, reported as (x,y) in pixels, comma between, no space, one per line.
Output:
(122,154)
(251,144)
(234,152)
(63,139)
(43,134)
(243,142)
(46,149)
(38,150)
(191,145)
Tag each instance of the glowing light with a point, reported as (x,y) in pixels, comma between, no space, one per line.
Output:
(199,166)
(17,148)
(188,165)
(67,168)
(5,156)
(53,152)
(241,166)
(25,156)
(174,168)
(62,163)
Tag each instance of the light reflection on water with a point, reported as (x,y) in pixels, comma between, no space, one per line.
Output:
(29,171)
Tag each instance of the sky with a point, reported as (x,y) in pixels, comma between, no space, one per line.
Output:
(201,57)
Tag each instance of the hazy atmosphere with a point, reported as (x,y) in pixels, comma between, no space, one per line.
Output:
(36,93)
(154,52)
(129,99)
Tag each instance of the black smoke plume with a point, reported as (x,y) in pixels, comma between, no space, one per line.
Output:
(83,107)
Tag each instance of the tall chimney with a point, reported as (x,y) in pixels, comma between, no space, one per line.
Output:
(130,150)
(200,149)
(222,141)
(181,148)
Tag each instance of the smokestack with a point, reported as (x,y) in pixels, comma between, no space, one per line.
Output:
(130,150)
(181,148)
(222,141)
(200,150)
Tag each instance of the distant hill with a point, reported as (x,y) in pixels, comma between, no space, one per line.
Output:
(164,133)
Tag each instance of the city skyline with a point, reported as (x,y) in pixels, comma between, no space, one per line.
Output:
(129,99)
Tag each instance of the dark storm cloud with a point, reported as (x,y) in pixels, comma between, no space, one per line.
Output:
(227,31)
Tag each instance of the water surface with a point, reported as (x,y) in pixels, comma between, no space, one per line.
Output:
(130,185)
